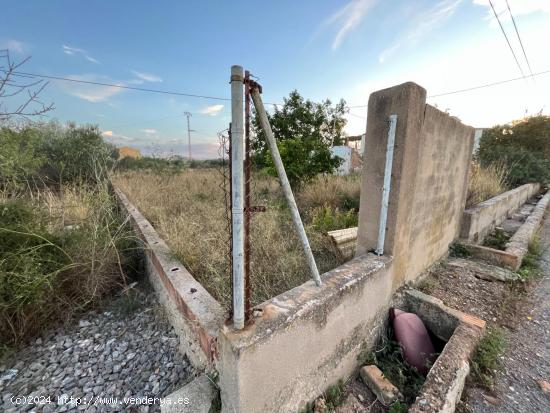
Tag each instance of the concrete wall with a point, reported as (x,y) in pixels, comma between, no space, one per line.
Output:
(479,220)
(304,340)
(429,179)
(195,315)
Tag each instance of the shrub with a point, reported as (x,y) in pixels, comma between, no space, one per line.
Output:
(486,182)
(523,146)
(486,358)
(305,132)
(326,218)
(49,154)
(49,270)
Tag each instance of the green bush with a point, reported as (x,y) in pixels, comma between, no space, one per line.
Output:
(305,132)
(523,146)
(327,218)
(486,360)
(53,155)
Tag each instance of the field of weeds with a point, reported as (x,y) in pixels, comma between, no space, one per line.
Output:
(188,211)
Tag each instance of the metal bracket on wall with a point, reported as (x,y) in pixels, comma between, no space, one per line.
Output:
(387,185)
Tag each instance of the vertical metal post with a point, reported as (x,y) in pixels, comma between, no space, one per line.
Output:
(386,188)
(264,122)
(188,135)
(237,187)
(247,196)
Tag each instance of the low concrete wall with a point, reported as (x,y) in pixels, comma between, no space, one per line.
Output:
(195,315)
(479,220)
(517,247)
(304,340)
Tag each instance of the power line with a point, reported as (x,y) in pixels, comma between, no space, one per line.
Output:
(500,82)
(519,38)
(141,89)
(506,37)
(487,85)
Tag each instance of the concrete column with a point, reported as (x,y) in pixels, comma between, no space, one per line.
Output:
(407,101)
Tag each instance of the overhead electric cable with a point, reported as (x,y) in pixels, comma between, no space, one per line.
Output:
(519,38)
(506,37)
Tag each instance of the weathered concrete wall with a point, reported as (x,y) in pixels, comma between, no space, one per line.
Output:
(479,220)
(195,315)
(304,340)
(428,185)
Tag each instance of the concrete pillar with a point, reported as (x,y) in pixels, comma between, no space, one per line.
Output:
(407,101)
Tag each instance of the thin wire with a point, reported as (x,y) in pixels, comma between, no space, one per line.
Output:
(500,82)
(141,89)
(506,37)
(487,85)
(519,38)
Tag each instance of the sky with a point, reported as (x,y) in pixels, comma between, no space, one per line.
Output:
(323,48)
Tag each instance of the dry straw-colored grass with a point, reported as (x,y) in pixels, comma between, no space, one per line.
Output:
(187,210)
(486,182)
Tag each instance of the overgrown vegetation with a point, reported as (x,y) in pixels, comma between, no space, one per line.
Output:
(388,357)
(523,146)
(486,360)
(485,182)
(530,267)
(497,239)
(62,243)
(188,211)
(458,250)
(49,155)
(305,132)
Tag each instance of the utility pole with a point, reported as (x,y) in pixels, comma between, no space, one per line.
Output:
(188,134)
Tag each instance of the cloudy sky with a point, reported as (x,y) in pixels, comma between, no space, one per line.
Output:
(325,49)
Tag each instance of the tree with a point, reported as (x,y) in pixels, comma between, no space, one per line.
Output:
(523,146)
(305,131)
(19,93)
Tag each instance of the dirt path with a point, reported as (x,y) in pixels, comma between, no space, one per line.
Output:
(527,358)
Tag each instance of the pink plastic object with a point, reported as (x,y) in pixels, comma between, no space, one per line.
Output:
(411,334)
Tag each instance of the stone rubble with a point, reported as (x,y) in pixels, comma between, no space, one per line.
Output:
(105,354)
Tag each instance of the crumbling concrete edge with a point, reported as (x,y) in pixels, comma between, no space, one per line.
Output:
(517,247)
(478,220)
(445,381)
(519,243)
(195,315)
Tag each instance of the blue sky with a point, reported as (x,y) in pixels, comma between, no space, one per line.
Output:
(334,49)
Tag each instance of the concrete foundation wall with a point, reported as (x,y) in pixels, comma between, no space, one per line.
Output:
(479,220)
(428,184)
(304,340)
(195,315)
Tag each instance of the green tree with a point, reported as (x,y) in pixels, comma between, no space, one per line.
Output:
(523,146)
(305,131)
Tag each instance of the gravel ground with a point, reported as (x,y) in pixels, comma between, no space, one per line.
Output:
(128,350)
(527,358)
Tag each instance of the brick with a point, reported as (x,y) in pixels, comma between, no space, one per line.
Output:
(384,390)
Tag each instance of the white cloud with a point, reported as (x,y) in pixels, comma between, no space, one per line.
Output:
(147,77)
(423,24)
(91,93)
(73,51)
(15,46)
(150,131)
(348,18)
(116,138)
(212,110)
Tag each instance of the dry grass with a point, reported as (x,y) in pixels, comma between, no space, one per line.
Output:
(187,210)
(333,191)
(60,253)
(486,182)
